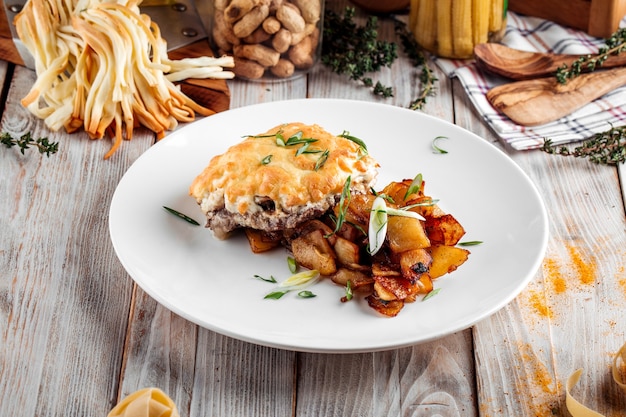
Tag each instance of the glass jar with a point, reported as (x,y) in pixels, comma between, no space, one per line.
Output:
(451,28)
(268,39)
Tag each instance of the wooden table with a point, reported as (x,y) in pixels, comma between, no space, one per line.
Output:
(77,334)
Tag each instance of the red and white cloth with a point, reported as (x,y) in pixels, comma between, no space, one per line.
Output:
(539,35)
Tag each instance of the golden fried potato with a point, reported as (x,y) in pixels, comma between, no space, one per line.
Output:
(313,251)
(406,233)
(446,259)
(444,230)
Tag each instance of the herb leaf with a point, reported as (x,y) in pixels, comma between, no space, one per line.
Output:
(431,294)
(275,295)
(436,148)
(26,141)
(353,50)
(606,148)
(182,216)
(270,279)
(306,294)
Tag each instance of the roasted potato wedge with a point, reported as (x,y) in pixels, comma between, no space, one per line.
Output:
(414,263)
(386,308)
(446,259)
(406,233)
(444,230)
(260,241)
(313,251)
(358,279)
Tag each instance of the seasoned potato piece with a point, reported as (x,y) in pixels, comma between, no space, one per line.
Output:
(260,241)
(397,191)
(387,308)
(446,259)
(392,288)
(444,230)
(313,251)
(406,233)
(358,211)
(358,279)
(348,253)
(414,263)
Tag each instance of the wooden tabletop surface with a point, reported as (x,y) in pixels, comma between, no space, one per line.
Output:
(77,334)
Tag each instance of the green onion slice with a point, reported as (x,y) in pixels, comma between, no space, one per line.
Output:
(378,225)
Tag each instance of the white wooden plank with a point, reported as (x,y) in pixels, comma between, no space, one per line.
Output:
(64,294)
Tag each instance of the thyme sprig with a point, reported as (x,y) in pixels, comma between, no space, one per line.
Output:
(354,50)
(605,148)
(420,61)
(614,45)
(26,141)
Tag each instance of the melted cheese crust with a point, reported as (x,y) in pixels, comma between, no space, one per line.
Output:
(236,179)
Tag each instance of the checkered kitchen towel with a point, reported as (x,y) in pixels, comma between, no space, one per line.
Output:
(533,34)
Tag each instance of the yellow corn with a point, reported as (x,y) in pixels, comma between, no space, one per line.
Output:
(444,27)
(413,9)
(426,24)
(496,15)
(462,43)
(451,28)
(480,16)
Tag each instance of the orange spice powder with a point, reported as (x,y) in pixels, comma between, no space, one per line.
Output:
(538,303)
(585,268)
(553,275)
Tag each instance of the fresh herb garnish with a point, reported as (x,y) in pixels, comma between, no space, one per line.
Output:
(354,50)
(292,264)
(348,292)
(431,294)
(182,216)
(270,279)
(471,243)
(26,141)
(614,45)
(266,160)
(415,186)
(346,135)
(295,282)
(436,148)
(344,202)
(306,294)
(321,160)
(377,225)
(606,148)
(275,295)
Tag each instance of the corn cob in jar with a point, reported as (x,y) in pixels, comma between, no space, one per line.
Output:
(451,28)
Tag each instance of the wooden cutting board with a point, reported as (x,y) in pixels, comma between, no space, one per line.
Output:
(213,94)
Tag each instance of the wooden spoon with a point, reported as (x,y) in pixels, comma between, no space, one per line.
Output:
(544,100)
(523,65)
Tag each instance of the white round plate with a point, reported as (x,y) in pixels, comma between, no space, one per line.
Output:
(212,283)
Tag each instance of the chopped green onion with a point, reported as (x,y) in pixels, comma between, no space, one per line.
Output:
(471,243)
(378,225)
(275,295)
(425,203)
(300,280)
(291,263)
(344,202)
(266,160)
(347,135)
(404,213)
(431,294)
(306,294)
(348,295)
(182,216)
(437,148)
(270,279)
(415,186)
(322,160)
